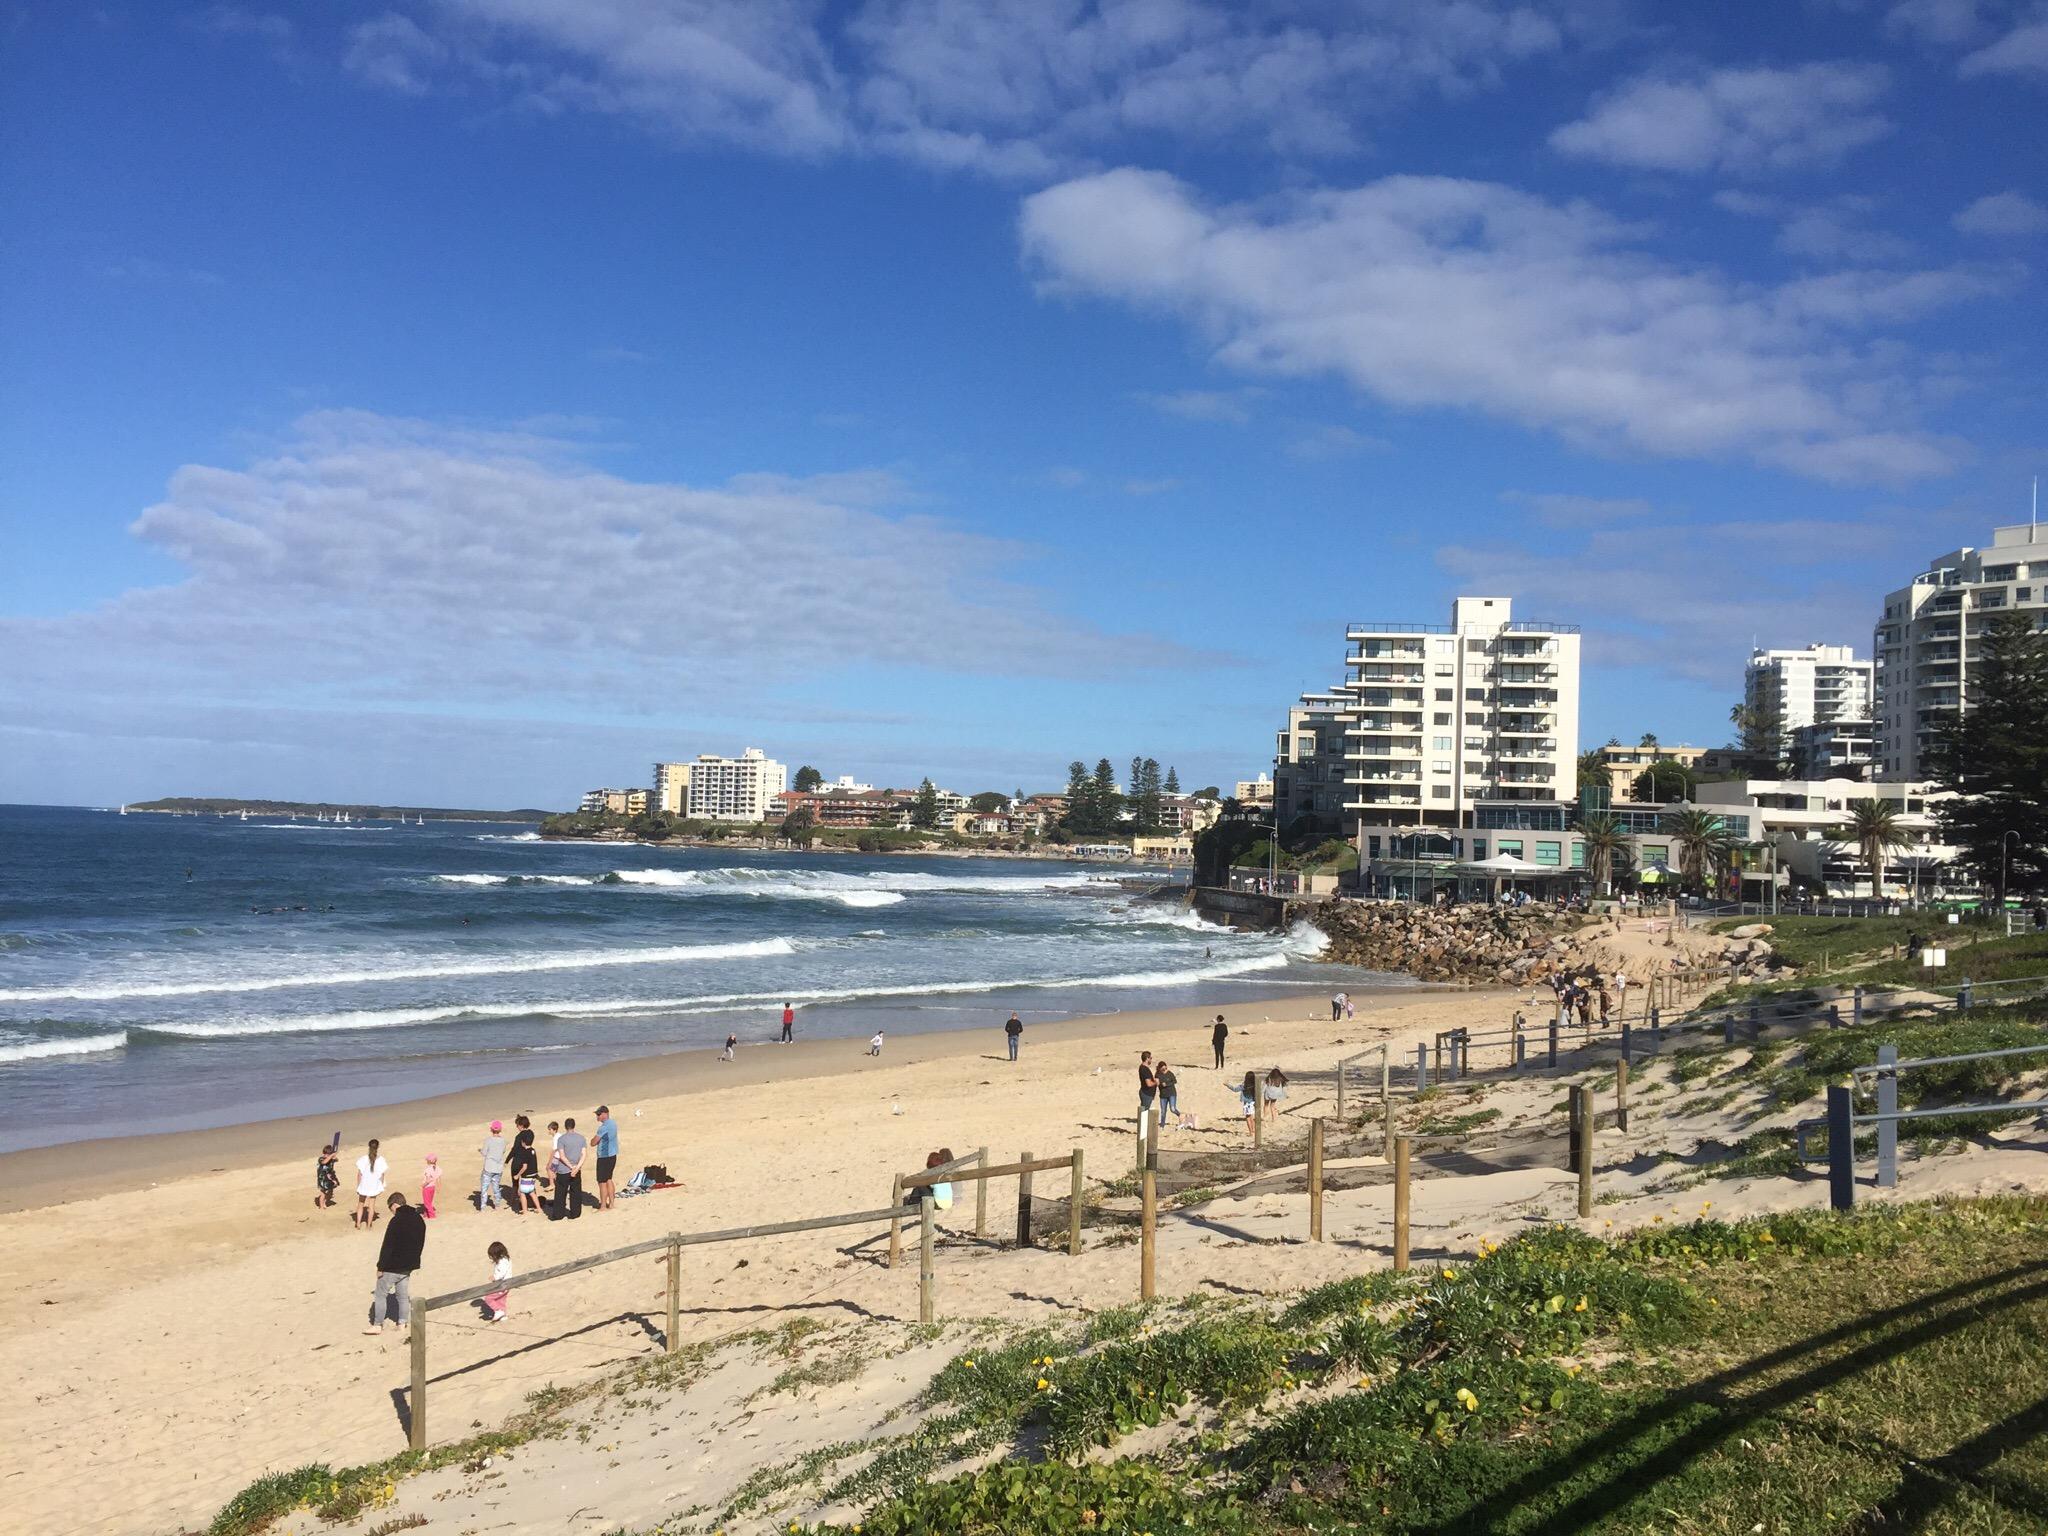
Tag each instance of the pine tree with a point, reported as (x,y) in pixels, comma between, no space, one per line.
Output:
(1104,801)
(1076,818)
(1995,757)
(924,811)
(807,778)
(1172,781)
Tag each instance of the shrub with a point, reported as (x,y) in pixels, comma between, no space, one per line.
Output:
(268,1498)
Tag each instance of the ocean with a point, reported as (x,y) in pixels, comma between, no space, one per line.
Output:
(169,973)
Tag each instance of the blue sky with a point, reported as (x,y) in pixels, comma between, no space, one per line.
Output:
(467,401)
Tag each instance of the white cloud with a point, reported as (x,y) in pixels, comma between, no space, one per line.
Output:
(1011,89)
(1218,405)
(1836,229)
(2003,213)
(1324,443)
(1556,509)
(2022,51)
(1427,291)
(1742,121)
(1951,22)
(394,54)
(370,560)
(1151,487)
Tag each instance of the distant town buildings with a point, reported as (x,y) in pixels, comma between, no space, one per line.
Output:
(1814,686)
(671,788)
(615,802)
(1622,766)
(1836,749)
(1257,791)
(735,788)
(1927,635)
(1309,765)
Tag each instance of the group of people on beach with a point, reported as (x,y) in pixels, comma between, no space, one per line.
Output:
(1159,1086)
(513,1175)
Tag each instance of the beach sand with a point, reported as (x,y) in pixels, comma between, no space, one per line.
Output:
(180,1320)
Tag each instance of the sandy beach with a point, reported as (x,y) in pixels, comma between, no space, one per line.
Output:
(182,1320)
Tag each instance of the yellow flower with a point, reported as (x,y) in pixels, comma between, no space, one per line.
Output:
(1465,1396)
(1450,1274)
(1765,1237)
(1581,1306)
(1362,1383)
(968,1363)
(1043,1384)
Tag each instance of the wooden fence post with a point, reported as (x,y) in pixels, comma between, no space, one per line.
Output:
(1582,1111)
(1258,1116)
(1024,1203)
(1074,1201)
(1315,1180)
(416,1435)
(1400,1205)
(1621,1093)
(1340,1093)
(675,1292)
(1841,1149)
(981,1195)
(1148,1230)
(1386,1071)
(896,1221)
(925,1300)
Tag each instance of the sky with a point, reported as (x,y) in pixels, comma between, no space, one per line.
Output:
(469,402)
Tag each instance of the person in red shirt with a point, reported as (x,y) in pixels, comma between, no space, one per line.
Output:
(788,1023)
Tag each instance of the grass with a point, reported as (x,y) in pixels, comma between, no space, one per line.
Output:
(1880,1371)
(1456,1125)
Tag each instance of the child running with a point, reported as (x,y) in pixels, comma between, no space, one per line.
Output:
(501,1270)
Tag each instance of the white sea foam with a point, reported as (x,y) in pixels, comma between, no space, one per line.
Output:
(567,960)
(507,837)
(518,879)
(75,1045)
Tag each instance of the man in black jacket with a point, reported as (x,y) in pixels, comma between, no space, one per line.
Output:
(405,1239)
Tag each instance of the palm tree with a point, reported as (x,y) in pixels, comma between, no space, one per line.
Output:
(1704,844)
(1606,845)
(1875,830)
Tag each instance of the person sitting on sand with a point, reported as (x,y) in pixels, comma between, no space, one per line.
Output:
(371,1170)
(405,1241)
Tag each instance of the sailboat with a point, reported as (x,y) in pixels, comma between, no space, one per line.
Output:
(124,810)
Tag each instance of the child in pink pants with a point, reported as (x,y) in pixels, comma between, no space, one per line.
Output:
(430,1181)
(501,1271)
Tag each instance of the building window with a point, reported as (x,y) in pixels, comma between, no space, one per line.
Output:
(1441,719)
(1440,743)
(1478,848)
(1372,847)
(1578,855)
(1656,853)
(1547,853)
(1445,695)
(1510,847)
(1475,695)
(1440,792)
(1439,765)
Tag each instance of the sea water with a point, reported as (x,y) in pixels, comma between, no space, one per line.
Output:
(161,972)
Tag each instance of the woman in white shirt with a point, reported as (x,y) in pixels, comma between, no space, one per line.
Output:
(370,1172)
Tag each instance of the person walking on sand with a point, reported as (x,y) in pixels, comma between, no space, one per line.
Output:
(606,1151)
(493,1176)
(1217,1036)
(1248,1099)
(523,1168)
(788,1023)
(1169,1095)
(371,1171)
(326,1177)
(430,1183)
(405,1240)
(1336,1007)
(569,1153)
(1015,1031)
(497,1301)
(875,1044)
(1349,1011)
(547,1167)
(732,1044)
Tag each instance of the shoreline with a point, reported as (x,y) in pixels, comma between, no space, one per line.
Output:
(86,1169)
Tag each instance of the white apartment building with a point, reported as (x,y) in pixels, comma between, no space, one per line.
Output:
(735,788)
(1309,764)
(671,787)
(1257,791)
(1809,687)
(1444,716)
(1926,639)
(1806,821)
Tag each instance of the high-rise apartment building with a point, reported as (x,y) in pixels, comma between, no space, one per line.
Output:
(1309,764)
(1814,686)
(1928,636)
(735,788)
(671,787)
(1445,716)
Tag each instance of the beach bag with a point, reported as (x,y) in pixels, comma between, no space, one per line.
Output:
(654,1173)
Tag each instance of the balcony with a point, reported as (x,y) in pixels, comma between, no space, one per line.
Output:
(1381,672)
(1367,630)
(1382,799)
(1527,752)
(1384,652)
(1386,776)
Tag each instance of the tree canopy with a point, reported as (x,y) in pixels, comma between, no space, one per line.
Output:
(924,810)
(807,779)
(1995,757)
